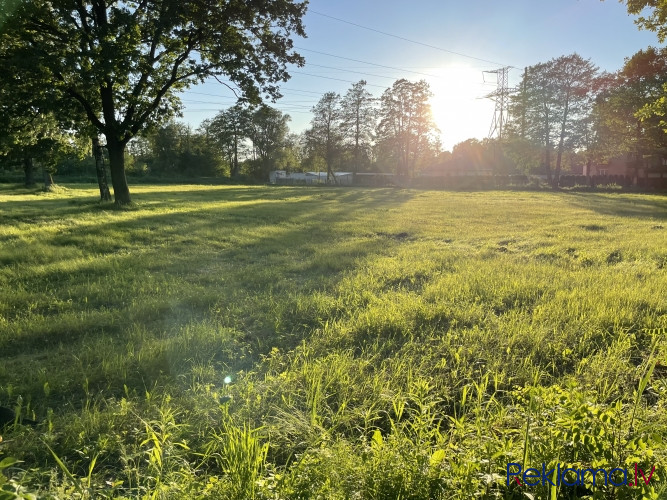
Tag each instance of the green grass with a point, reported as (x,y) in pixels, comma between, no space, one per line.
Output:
(381,343)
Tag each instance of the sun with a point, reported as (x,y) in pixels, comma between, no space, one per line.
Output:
(459,109)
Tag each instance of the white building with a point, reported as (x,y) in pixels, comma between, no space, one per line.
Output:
(282,177)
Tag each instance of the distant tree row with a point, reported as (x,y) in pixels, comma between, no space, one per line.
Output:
(74,71)
(253,138)
(565,108)
(357,131)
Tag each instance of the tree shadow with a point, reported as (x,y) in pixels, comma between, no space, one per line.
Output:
(257,225)
(644,206)
(211,247)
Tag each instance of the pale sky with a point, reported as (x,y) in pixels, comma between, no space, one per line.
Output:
(491,33)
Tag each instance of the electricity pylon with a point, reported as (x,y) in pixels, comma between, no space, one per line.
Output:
(501,98)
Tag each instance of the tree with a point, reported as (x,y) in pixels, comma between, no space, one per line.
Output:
(656,21)
(324,136)
(166,147)
(620,121)
(26,138)
(406,129)
(268,132)
(524,154)
(294,152)
(123,62)
(30,130)
(200,155)
(230,128)
(554,107)
(657,18)
(358,116)
(176,149)
(30,133)
(658,108)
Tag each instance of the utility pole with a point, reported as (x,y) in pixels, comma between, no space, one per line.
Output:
(501,97)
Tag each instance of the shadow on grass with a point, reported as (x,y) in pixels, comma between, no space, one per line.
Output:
(186,244)
(203,257)
(48,208)
(645,206)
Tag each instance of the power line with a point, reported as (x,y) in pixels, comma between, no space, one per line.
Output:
(366,62)
(283,103)
(406,39)
(208,110)
(235,99)
(302,90)
(350,71)
(336,79)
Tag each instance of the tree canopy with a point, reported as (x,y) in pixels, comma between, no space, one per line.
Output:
(358,121)
(620,124)
(123,62)
(325,137)
(656,20)
(406,125)
(553,107)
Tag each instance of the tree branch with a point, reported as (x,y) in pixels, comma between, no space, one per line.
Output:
(90,113)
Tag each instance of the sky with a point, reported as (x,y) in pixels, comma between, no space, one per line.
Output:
(448,43)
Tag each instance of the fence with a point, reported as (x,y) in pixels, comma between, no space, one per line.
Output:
(655,182)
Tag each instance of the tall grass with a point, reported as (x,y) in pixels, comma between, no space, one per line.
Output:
(380,343)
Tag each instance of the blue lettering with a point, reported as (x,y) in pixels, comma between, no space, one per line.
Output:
(512,473)
(625,477)
(576,474)
(547,475)
(528,474)
(594,473)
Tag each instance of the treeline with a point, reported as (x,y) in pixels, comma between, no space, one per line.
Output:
(566,111)
(564,114)
(355,132)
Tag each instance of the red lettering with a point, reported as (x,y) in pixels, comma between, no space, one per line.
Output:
(649,476)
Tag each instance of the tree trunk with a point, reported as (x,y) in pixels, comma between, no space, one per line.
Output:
(235,162)
(559,158)
(547,156)
(357,137)
(331,177)
(356,163)
(121,191)
(29,169)
(561,142)
(547,163)
(48,179)
(105,195)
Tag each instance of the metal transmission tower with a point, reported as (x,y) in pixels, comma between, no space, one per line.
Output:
(501,98)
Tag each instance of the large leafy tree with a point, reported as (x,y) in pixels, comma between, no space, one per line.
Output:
(553,107)
(230,129)
(123,62)
(325,137)
(652,15)
(268,132)
(406,129)
(656,109)
(619,124)
(359,116)
(30,131)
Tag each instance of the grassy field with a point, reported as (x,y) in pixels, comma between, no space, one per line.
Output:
(296,343)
